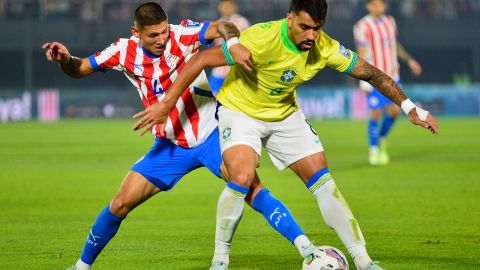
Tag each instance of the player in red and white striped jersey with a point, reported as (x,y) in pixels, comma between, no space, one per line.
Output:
(151,59)
(190,123)
(376,39)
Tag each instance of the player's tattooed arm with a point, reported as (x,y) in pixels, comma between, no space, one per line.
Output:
(218,29)
(228,30)
(70,65)
(381,81)
(76,67)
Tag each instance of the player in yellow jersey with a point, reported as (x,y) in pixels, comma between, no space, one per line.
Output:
(258,108)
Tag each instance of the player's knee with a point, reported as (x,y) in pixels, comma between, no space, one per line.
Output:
(375,114)
(120,207)
(242,178)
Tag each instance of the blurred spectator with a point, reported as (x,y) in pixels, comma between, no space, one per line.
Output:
(3,8)
(58,9)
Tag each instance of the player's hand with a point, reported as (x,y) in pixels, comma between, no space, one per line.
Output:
(430,123)
(156,114)
(242,56)
(56,51)
(415,67)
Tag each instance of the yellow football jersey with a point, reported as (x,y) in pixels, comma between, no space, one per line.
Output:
(268,93)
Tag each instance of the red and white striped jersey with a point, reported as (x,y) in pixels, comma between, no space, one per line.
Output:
(241,23)
(193,118)
(379,38)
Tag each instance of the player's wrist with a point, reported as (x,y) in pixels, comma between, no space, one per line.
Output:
(408,105)
(66,59)
(227,55)
(232,41)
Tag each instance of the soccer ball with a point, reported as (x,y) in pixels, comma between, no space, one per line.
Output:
(325,258)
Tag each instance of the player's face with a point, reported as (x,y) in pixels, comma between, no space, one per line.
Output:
(376,8)
(227,8)
(303,30)
(153,37)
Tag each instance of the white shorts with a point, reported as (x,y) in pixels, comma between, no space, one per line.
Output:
(286,141)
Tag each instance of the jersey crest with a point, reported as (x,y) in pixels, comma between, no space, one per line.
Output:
(172,60)
(288,75)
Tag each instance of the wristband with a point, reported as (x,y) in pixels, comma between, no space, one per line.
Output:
(232,41)
(407,105)
(228,56)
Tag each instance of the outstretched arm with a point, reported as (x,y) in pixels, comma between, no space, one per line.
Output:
(70,65)
(384,84)
(414,66)
(157,114)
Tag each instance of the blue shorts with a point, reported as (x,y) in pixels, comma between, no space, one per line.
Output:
(215,83)
(377,100)
(166,163)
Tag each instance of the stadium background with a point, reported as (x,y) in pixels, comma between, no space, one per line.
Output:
(427,198)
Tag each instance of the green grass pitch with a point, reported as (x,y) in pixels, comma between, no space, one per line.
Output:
(420,212)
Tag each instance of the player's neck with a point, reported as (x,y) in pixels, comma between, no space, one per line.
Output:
(376,17)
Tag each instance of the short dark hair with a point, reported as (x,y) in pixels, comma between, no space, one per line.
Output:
(317,9)
(149,14)
(368,1)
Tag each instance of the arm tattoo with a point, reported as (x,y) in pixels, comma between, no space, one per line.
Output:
(381,81)
(228,30)
(72,67)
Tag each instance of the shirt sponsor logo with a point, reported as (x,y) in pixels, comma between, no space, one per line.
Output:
(192,24)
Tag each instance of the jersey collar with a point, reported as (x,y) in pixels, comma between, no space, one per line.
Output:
(286,41)
(150,55)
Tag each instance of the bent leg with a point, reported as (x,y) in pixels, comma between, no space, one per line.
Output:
(240,163)
(135,189)
(333,206)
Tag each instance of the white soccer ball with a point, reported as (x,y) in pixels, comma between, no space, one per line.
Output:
(325,258)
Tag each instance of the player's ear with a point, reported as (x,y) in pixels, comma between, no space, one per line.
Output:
(290,19)
(135,31)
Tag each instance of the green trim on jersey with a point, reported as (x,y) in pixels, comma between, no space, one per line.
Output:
(352,64)
(286,41)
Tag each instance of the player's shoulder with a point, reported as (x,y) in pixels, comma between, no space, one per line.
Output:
(325,39)
(260,34)
(326,44)
(123,43)
(264,30)
(362,21)
(185,24)
(390,18)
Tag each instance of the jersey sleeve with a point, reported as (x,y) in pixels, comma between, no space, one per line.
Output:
(109,58)
(192,33)
(338,57)
(360,34)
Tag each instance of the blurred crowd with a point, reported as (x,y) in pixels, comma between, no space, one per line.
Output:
(255,10)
